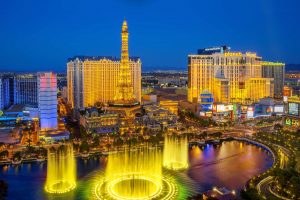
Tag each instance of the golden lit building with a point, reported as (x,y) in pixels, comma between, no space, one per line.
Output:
(170,105)
(104,79)
(221,90)
(228,75)
(258,88)
(125,93)
(275,70)
(96,121)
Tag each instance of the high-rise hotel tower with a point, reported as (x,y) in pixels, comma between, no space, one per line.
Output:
(104,79)
(230,76)
(275,70)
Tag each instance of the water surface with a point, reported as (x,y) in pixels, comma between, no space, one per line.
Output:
(231,165)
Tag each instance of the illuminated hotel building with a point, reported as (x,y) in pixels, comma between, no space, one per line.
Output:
(4,93)
(229,76)
(38,90)
(275,70)
(47,100)
(25,89)
(104,79)
(95,79)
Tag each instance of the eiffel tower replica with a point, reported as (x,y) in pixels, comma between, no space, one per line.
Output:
(125,102)
(124,96)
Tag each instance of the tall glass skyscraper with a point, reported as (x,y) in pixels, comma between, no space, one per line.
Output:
(25,89)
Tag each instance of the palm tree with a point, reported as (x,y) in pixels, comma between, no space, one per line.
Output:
(118,142)
(4,154)
(17,156)
(96,141)
(28,141)
(108,146)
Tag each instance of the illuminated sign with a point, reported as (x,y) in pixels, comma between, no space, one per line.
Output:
(279,109)
(269,109)
(250,114)
(292,122)
(227,54)
(244,109)
(287,91)
(293,109)
(213,49)
(228,107)
(251,54)
(222,108)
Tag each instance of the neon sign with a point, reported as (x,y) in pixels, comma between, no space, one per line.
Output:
(292,122)
(227,54)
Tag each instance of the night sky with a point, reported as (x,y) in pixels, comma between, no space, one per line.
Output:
(42,34)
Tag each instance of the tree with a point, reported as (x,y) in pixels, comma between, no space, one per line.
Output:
(99,104)
(3,154)
(76,146)
(3,189)
(154,140)
(250,194)
(84,147)
(29,141)
(17,156)
(195,197)
(83,132)
(96,141)
(118,142)
(277,127)
(30,149)
(108,146)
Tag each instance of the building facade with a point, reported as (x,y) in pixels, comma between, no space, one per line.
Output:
(4,93)
(95,121)
(25,89)
(105,79)
(276,71)
(230,76)
(95,79)
(47,100)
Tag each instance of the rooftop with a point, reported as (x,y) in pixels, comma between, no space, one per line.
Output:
(96,58)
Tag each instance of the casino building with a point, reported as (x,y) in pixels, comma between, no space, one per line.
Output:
(232,77)
(107,80)
(292,118)
(275,70)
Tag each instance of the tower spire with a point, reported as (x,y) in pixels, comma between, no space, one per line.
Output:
(124,93)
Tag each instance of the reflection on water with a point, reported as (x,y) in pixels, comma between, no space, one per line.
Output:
(230,164)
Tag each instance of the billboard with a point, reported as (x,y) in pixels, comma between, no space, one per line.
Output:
(293,109)
(250,112)
(279,109)
(206,107)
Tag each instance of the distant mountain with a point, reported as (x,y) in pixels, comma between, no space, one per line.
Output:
(292,67)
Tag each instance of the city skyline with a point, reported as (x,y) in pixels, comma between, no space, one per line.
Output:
(48,40)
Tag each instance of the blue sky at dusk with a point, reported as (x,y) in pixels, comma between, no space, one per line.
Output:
(41,35)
